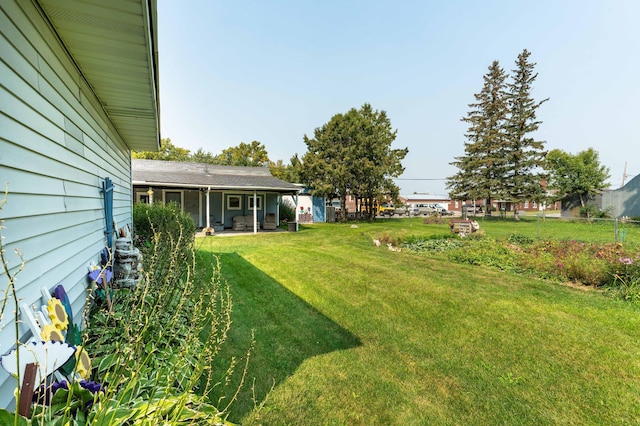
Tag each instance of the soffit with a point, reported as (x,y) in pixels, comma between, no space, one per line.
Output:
(114,45)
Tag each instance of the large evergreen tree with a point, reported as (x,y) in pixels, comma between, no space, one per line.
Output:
(501,157)
(482,168)
(524,155)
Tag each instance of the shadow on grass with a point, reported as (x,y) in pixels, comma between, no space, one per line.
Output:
(287,331)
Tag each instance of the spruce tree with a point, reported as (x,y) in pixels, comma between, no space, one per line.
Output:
(524,154)
(482,167)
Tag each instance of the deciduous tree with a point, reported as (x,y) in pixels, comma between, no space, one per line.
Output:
(253,155)
(167,152)
(352,155)
(287,172)
(581,175)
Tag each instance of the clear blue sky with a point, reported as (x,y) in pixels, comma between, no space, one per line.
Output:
(273,71)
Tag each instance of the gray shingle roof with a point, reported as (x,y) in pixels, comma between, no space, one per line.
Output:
(177,173)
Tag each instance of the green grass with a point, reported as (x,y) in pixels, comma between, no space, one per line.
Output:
(349,333)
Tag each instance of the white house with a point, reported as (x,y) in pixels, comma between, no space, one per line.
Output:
(78,92)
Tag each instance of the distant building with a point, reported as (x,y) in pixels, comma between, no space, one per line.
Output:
(624,201)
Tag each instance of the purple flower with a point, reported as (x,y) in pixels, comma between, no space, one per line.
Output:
(44,393)
(92,387)
(626,260)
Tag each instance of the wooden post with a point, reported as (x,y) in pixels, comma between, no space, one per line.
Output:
(26,391)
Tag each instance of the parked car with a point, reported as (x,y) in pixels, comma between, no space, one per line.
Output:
(438,208)
(423,209)
(470,208)
(413,211)
(400,210)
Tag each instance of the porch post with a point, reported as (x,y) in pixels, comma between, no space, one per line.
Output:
(222,208)
(255,213)
(208,209)
(296,212)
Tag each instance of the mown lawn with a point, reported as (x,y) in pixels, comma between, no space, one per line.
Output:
(349,333)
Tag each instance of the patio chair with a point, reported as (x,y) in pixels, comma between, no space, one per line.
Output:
(270,222)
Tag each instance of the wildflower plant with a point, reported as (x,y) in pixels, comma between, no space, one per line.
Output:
(151,353)
(154,351)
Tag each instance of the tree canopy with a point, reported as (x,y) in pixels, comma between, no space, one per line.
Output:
(287,172)
(167,152)
(352,155)
(580,175)
(245,154)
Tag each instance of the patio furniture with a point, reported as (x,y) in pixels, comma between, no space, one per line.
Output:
(270,222)
(243,223)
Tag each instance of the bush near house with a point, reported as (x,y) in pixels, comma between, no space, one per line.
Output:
(152,347)
(287,211)
(160,223)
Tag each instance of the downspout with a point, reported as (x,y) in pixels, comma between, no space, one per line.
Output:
(255,213)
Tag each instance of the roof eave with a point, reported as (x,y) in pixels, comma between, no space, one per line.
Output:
(218,187)
(110,44)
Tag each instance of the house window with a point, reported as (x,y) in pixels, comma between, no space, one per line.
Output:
(258,202)
(234,202)
(173,197)
(142,197)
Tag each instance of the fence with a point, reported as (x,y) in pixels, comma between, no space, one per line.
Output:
(552,227)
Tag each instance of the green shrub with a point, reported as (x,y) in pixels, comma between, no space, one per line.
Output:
(485,252)
(593,211)
(627,289)
(152,348)
(520,239)
(437,243)
(155,346)
(161,224)
(287,211)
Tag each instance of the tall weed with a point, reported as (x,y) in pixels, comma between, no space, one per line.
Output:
(153,346)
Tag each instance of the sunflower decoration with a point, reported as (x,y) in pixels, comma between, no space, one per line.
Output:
(83,362)
(58,314)
(51,332)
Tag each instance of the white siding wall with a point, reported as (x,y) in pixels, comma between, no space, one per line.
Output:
(56,147)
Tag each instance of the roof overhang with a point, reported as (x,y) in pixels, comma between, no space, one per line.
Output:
(217,187)
(113,44)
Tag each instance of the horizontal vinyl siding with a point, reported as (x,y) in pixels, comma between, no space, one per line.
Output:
(56,148)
